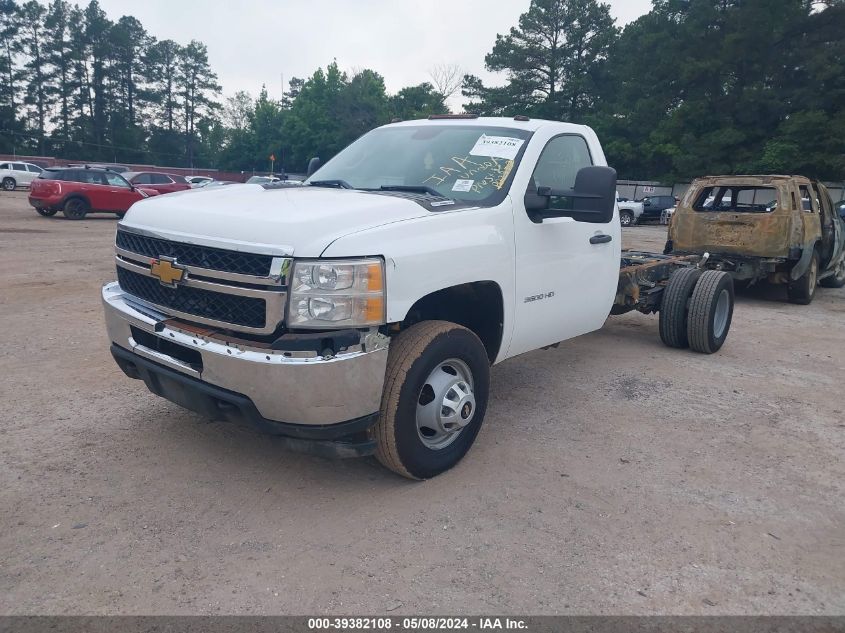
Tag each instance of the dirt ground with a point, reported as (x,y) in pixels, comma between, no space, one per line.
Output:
(612,475)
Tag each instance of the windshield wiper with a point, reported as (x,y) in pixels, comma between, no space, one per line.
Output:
(336,183)
(413,189)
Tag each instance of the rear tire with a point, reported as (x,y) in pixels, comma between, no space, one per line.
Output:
(47,212)
(803,289)
(434,400)
(711,310)
(674,307)
(837,280)
(9,184)
(75,209)
(626,218)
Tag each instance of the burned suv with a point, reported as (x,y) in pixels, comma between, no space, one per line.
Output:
(781,229)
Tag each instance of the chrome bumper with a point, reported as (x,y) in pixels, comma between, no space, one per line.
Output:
(295,391)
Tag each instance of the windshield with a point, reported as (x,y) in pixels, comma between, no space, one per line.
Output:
(116,180)
(470,163)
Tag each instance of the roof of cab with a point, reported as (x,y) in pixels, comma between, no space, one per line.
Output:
(531,125)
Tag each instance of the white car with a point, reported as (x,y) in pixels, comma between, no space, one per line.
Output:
(13,174)
(198,181)
(629,211)
(262,180)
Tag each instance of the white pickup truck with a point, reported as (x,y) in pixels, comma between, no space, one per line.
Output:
(360,313)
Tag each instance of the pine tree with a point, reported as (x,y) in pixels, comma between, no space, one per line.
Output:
(33,46)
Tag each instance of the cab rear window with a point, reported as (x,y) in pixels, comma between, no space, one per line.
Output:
(736,199)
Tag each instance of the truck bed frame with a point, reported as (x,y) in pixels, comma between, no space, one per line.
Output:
(644,276)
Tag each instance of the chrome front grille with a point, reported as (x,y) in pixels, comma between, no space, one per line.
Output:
(222,288)
(192,255)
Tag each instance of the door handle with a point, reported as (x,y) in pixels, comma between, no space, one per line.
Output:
(601,239)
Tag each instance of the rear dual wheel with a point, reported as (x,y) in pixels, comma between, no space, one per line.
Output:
(434,399)
(697,310)
(711,310)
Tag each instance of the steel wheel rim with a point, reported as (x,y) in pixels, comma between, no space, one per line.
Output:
(720,318)
(445,404)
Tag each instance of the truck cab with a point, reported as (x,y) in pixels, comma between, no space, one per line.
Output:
(360,312)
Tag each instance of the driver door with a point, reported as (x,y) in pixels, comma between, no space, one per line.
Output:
(566,270)
(120,192)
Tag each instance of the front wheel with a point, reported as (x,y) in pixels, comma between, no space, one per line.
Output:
(9,184)
(75,209)
(837,280)
(435,397)
(46,212)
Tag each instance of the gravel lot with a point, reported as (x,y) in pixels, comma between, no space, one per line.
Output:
(613,475)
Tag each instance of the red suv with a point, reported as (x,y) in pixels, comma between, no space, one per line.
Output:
(78,191)
(163,183)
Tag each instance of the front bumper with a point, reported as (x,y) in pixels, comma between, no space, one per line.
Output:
(314,399)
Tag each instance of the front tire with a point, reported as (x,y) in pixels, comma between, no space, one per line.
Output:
(837,280)
(803,289)
(9,184)
(626,218)
(434,400)
(75,209)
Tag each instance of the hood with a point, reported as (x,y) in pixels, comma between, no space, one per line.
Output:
(299,221)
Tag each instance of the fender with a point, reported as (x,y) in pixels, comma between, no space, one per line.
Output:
(804,263)
(441,250)
(72,195)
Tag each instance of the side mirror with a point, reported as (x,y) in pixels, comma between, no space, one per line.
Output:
(313,166)
(592,199)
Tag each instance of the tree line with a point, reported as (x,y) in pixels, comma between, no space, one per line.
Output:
(75,83)
(692,87)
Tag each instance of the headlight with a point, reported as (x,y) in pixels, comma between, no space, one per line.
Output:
(339,293)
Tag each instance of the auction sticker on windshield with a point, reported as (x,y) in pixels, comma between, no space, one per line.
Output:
(463,185)
(505,147)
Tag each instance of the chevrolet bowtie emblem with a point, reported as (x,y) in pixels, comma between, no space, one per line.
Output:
(167,271)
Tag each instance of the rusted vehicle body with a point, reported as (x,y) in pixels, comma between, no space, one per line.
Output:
(780,229)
